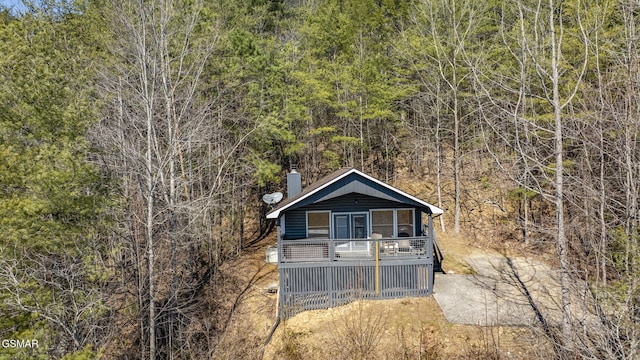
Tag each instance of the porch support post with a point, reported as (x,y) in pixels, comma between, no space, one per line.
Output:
(430,250)
(279,237)
(280,294)
(330,271)
(377,255)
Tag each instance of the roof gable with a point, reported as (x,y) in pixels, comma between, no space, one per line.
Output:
(346,181)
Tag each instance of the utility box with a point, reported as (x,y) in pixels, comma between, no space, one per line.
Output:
(272,255)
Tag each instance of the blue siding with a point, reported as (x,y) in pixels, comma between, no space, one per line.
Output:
(418,223)
(295,220)
(295,223)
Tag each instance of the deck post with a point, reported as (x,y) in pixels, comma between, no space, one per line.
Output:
(377,256)
(430,250)
(279,239)
(280,303)
(329,275)
(332,250)
(329,284)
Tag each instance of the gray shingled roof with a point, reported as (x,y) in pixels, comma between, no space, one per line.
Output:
(333,177)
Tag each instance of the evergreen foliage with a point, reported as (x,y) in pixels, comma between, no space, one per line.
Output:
(52,199)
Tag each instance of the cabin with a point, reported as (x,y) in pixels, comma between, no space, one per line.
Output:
(350,236)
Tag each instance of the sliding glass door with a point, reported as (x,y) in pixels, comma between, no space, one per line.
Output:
(350,225)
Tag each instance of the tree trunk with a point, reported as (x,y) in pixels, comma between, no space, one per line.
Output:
(561,238)
(149,234)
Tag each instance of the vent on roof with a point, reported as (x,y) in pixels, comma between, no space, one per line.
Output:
(294,184)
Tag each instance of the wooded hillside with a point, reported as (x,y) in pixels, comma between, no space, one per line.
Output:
(138,136)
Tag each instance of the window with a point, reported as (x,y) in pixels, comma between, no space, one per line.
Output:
(318,224)
(405,223)
(382,222)
(392,223)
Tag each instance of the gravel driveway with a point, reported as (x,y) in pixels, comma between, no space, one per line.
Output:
(505,291)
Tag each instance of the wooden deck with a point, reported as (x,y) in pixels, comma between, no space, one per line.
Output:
(318,274)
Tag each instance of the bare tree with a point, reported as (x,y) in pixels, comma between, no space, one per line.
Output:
(72,306)
(535,42)
(175,149)
(614,139)
(445,30)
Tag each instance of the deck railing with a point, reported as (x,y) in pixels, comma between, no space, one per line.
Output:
(329,250)
(322,273)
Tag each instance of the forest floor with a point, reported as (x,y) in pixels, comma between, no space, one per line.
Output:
(249,307)
(402,328)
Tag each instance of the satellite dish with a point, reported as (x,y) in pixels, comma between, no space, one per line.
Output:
(272,199)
